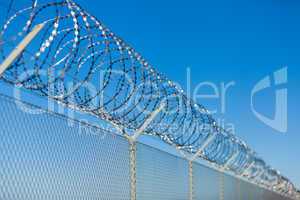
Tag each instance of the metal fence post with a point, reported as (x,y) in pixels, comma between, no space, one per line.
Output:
(191,159)
(132,152)
(20,48)
(132,139)
(191,184)
(222,186)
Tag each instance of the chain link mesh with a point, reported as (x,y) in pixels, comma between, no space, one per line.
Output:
(161,175)
(43,158)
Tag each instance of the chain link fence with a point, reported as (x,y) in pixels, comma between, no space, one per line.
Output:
(42,157)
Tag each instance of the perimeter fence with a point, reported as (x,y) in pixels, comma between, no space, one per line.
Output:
(42,157)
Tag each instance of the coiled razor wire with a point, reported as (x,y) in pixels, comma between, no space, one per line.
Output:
(80,63)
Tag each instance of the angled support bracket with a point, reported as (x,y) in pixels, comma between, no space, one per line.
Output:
(132,147)
(21,46)
(191,159)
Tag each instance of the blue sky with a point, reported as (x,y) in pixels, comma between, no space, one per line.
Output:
(222,41)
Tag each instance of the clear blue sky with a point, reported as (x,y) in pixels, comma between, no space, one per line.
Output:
(234,40)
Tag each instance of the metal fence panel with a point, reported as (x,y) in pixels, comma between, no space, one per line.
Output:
(206,183)
(231,188)
(244,191)
(268,195)
(43,158)
(160,175)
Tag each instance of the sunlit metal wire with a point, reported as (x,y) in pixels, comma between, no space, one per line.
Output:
(79,62)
